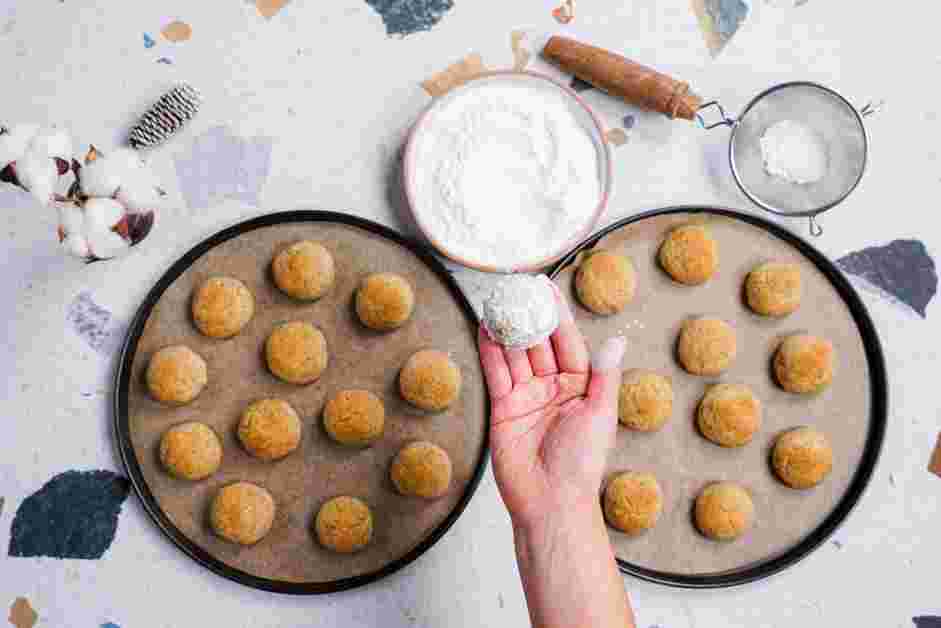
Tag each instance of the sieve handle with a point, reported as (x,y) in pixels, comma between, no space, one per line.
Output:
(815,229)
(622,78)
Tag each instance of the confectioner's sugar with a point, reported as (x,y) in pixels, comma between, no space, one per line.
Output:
(505,174)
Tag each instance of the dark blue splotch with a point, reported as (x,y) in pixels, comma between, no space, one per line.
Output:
(74,515)
(629,121)
(110,624)
(727,16)
(902,269)
(927,621)
(165,61)
(404,17)
(149,41)
(578,85)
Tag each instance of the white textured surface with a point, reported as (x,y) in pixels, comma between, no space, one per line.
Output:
(336,95)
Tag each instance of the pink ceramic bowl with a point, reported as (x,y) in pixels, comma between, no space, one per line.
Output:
(587,118)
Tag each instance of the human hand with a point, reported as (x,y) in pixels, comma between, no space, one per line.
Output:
(553,420)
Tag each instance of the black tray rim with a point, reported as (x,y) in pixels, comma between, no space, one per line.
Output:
(878,407)
(122,384)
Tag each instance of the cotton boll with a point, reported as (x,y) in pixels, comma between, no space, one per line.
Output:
(71,230)
(37,174)
(106,244)
(102,213)
(15,141)
(138,194)
(52,142)
(101,177)
(103,226)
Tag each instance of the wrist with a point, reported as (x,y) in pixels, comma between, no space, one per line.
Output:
(576,522)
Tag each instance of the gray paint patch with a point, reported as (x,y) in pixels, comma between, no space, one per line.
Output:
(219,165)
(902,270)
(404,17)
(95,324)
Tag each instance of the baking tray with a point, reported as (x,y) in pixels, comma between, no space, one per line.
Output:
(686,458)
(184,523)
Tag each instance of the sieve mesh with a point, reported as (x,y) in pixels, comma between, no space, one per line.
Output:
(827,114)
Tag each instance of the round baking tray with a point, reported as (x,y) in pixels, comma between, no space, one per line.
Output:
(123,381)
(878,407)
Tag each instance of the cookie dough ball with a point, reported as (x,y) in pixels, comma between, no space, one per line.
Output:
(802,457)
(296,352)
(804,364)
(222,306)
(707,346)
(430,380)
(242,513)
(344,524)
(176,375)
(270,429)
(605,282)
(690,255)
(354,417)
(521,310)
(645,400)
(421,469)
(304,270)
(724,511)
(384,301)
(190,451)
(633,502)
(774,289)
(729,415)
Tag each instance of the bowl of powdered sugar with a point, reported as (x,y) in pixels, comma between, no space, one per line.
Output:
(507,172)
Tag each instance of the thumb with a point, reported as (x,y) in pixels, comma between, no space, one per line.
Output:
(606,375)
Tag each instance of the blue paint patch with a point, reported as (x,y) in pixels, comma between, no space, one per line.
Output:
(927,621)
(727,16)
(149,41)
(902,271)
(110,625)
(165,61)
(405,17)
(578,85)
(94,324)
(219,165)
(629,122)
(74,515)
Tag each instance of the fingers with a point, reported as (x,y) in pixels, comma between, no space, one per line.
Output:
(605,377)
(496,370)
(570,351)
(520,369)
(542,358)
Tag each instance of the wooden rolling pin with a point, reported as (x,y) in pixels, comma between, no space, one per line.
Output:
(625,79)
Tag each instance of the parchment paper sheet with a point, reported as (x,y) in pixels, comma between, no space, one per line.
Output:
(682,460)
(359,358)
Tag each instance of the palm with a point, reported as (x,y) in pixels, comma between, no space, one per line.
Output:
(551,426)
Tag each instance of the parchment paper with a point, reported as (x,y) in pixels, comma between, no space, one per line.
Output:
(319,469)
(682,460)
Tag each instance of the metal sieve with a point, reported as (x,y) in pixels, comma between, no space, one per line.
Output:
(837,123)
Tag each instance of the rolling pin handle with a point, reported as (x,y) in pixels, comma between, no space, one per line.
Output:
(724,119)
